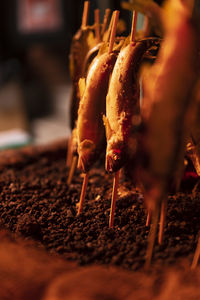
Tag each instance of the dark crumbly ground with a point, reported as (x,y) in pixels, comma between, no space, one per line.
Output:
(36,202)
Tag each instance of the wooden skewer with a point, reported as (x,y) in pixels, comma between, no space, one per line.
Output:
(105,21)
(148,221)
(72,169)
(133,27)
(69,152)
(109,28)
(196,256)
(97,24)
(152,237)
(114,197)
(83,191)
(162,220)
(113,32)
(85,14)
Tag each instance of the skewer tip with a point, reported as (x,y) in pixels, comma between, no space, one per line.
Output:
(85,14)
(152,238)
(196,256)
(113,31)
(83,192)
(114,198)
(133,28)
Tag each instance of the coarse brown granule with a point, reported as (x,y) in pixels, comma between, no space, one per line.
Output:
(37,204)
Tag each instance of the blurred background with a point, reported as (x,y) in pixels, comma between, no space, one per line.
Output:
(35,87)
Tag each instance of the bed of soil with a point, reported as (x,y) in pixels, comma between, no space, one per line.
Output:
(37,204)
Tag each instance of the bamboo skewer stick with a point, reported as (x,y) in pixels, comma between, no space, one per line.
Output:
(152,237)
(113,32)
(114,21)
(162,220)
(109,29)
(148,221)
(196,256)
(69,153)
(133,27)
(83,192)
(105,21)
(72,169)
(72,155)
(97,24)
(85,14)
(114,197)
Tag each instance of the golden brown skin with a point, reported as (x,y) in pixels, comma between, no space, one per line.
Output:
(122,102)
(90,129)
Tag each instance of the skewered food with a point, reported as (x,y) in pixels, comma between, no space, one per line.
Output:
(92,106)
(168,87)
(122,102)
(168,90)
(91,131)
(167,100)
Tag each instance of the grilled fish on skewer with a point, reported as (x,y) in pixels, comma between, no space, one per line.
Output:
(122,102)
(168,91)
(90,128)
(166,103)
(89,125)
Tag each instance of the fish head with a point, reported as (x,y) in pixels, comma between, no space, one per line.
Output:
(114,160)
